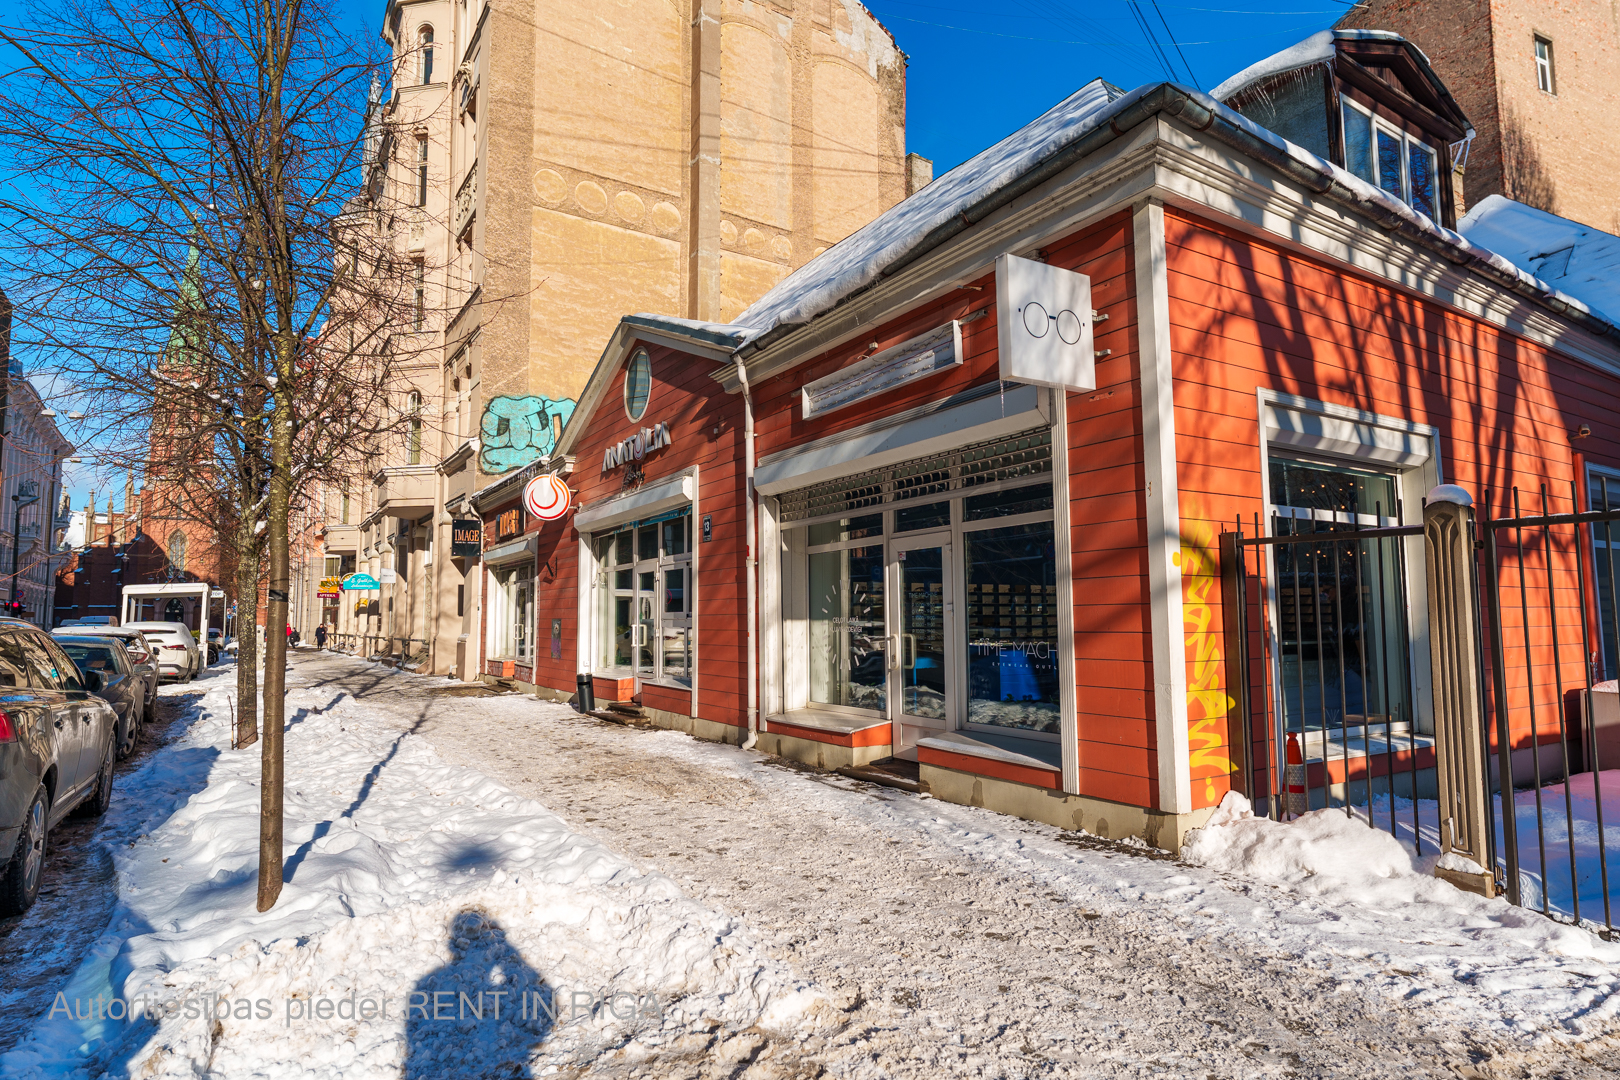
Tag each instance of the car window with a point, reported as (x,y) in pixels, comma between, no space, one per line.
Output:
(66,672)
(45,672)
(90,657)
(13,665)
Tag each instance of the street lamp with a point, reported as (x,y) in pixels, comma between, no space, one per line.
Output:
(27,495)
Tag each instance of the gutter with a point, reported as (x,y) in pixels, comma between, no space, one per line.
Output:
(751,562)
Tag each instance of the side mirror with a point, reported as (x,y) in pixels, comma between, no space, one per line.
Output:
(93,681)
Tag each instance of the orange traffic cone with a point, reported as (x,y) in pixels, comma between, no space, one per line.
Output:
(1294,779)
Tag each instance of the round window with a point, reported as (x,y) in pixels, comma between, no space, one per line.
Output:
(637,384)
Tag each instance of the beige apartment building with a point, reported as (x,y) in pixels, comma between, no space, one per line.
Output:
(552,166)
(1537,80)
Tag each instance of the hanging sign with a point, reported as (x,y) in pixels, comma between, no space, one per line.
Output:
(387,576)
(1044,325)
(547,497)
(637,446)
(918,358)
(360,582)
(466,538)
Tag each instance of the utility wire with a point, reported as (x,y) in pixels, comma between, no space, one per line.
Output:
(1191,78)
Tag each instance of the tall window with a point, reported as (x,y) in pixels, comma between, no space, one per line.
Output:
(421,170)
(424,42)
(177,551)
(1544,64)
(413,448)
(1603,493)
(645,599)
(419,302)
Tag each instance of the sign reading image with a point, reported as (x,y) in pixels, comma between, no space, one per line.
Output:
(1044,319)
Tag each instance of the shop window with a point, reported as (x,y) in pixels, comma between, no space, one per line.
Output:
(1012,627)
(644,605)
(848,654)
(939,611)
(512,613)
(1341,612)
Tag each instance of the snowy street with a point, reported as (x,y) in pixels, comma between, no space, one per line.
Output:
(665,907)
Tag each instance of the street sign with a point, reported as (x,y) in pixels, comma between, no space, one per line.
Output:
(359,582)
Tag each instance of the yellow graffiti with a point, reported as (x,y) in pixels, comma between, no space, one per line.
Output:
(1208,703)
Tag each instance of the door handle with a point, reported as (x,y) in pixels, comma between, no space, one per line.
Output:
(905,640)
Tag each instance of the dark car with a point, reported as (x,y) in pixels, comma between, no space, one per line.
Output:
(122,684)
(141,653)
(57,748)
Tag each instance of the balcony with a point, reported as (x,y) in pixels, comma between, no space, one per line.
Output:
(339,539)
(466,201)
(406,491)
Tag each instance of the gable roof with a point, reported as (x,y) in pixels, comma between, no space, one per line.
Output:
(1364,49)
(1561,254)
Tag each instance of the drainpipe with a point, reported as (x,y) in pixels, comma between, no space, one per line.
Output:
(751,562)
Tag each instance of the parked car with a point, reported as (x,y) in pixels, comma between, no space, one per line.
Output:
(121,685)
(141,653)
(58,742)
(176,648)
(216,642)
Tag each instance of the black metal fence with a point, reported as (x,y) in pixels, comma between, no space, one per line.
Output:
(1317,620)
(1552,625)
(1332,704)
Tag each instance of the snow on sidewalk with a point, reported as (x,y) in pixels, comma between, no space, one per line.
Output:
(410,882)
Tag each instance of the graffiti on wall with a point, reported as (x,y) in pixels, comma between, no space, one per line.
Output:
(1208,704)
(517,430)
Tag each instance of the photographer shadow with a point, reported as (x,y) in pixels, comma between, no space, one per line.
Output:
(445,1035)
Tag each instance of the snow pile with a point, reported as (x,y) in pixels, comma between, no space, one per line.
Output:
(1366,873)
(433,923)
(1563,254)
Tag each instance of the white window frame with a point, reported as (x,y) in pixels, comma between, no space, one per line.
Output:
(1360,438)
(1377,124)
(1542,50)
(1595,474)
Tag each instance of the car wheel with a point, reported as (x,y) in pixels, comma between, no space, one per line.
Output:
(124,735)
(97,803)
(19,883)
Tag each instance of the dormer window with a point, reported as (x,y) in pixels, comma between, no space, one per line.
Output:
(1400,164)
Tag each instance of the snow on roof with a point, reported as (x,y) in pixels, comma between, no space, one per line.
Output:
(1561,254)
(861,257)
(724,335)
(903,231)
(1316,49)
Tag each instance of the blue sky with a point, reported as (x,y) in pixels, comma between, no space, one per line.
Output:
(979,70)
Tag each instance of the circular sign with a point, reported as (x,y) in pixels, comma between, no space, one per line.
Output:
(547,497)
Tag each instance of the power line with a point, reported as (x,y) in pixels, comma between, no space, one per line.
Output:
(1191,78)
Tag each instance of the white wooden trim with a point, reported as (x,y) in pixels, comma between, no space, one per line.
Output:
(1163,509)
(1068,700)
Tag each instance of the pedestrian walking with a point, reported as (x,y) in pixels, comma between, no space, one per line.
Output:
(320,636)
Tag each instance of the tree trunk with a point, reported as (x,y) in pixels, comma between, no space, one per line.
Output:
(247,645)
(275,634)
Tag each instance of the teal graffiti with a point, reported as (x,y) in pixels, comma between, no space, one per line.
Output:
(517,430)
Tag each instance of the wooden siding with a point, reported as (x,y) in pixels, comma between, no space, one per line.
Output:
(1247,314)
(705,424)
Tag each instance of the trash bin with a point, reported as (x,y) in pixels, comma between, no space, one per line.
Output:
(587,693)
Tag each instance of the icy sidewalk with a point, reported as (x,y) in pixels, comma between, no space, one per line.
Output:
(419,895)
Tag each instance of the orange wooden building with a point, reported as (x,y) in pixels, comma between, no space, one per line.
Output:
(953,491)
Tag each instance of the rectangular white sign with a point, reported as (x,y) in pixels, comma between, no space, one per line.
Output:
(917,358)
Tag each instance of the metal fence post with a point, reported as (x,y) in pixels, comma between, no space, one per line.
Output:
(1448,535)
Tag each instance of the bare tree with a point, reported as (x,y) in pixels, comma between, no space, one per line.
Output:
(178,252)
